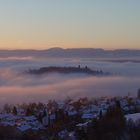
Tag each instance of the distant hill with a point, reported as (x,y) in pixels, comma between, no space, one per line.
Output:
(65,70)
(73,52)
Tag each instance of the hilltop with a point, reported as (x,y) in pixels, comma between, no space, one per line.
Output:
(65,70)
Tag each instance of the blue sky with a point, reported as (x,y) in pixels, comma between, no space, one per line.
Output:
(41,24)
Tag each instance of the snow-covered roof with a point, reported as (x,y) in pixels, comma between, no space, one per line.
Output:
(89,116)
(52,117)
(30,118)
(8,116)
(8,123)
(24,127)
(72,113)
(82,124)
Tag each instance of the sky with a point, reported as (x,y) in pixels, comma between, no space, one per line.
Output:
(42,24)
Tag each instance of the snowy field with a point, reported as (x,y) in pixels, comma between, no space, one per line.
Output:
(133,117)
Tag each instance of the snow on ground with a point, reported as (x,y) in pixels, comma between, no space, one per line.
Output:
(134,117)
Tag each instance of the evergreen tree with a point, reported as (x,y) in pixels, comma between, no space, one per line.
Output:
(139,93)
(101,114)
(28,112)
(14,110)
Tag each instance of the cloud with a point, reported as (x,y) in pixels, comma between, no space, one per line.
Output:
(75,88)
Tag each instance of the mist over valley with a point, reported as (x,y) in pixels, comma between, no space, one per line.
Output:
(124,78)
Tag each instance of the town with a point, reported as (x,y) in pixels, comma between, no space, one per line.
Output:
(70,119)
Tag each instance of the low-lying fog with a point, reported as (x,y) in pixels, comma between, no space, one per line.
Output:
(17,87)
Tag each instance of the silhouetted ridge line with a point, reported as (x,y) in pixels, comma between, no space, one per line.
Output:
(71,52)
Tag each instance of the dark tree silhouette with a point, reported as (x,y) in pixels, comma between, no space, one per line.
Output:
(139,93)
(14,110)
